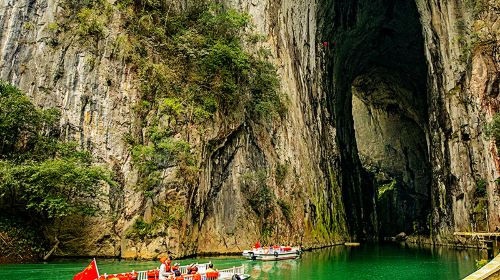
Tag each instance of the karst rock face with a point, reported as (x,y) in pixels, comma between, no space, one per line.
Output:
(386,107)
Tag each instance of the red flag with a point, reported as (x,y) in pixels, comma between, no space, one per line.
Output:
(89,273)
(257,245)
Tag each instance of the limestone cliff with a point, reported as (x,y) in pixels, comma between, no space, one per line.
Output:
(383,133)
(462,41)
(96,94)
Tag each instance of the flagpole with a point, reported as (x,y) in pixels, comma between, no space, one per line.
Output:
(97,269)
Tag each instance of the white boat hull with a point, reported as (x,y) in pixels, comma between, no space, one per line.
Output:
(271,255)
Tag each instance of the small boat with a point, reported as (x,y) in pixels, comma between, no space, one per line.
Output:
(91,272)
(272,253)
(224,274)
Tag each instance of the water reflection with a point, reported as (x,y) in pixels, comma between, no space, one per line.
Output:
(272,270)
(364,262)
(372,262)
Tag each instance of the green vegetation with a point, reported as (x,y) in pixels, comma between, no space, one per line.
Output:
(331,222)
(481,263)
(480,204)
(477,6)
(387,188)
(201,67)
(89,19)
(257,192)
(42,178)
(191,65)
(281,172)
(20,243)
(468,41)
(481,33)
(492,130)
(286,209)
(165,215)
(161,153)
(481,185)
(480,209)
(140,230)
(52,188)
(266,232)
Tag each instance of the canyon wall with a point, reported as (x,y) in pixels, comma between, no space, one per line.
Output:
(462,41)
(386,107)
(96,94)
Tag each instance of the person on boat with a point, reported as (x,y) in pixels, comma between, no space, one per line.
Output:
(190,268)
(168,263)
(195,273)
(164,272)
(211,273)
(178,275)
(175,267)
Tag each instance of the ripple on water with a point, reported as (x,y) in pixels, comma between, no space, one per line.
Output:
(365,262)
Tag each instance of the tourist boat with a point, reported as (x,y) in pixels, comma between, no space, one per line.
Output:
(91,272)
(272,253)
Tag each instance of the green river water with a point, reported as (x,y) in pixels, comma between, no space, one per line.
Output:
(365,262)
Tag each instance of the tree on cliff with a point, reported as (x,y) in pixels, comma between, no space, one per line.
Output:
(42,178)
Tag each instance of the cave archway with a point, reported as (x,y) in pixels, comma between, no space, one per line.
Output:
(390,136)
(377,84)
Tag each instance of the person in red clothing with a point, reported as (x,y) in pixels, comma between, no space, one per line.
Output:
(164,269)
(211,273)
(168,264)
(178,275)
(191,268)
(197,275)
(175,267)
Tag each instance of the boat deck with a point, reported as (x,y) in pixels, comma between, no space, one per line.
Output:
(489,271)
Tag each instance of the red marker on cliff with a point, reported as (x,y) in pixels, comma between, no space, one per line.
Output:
(326,44)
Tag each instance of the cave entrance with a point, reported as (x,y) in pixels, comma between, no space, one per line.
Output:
(379,77)
(389,113)
(389,123)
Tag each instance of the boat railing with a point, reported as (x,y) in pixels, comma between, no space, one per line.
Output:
(223,273)
(229,272)
(143,275)
(140,275)
(183,269)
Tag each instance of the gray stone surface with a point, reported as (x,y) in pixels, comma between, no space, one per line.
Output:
(96,92)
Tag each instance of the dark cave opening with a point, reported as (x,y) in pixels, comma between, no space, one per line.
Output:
(377,84)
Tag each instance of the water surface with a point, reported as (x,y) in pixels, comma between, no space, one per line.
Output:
(365,262)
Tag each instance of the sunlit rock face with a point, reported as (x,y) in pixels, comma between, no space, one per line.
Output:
(96,94)
(383,132)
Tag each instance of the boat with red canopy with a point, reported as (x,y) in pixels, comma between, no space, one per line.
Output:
(92,273)
(272,253)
